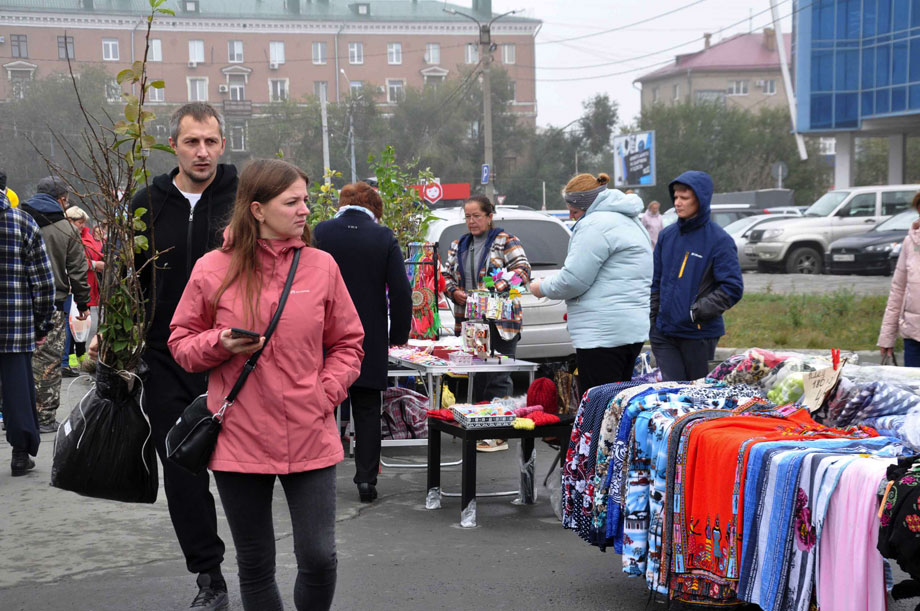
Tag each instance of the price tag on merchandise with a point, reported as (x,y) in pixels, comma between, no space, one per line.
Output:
(818,384)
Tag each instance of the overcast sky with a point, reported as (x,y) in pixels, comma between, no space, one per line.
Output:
(630,52)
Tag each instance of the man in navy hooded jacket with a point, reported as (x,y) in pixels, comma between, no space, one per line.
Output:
(697,277)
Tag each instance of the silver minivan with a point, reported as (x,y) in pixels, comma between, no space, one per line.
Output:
(798,245)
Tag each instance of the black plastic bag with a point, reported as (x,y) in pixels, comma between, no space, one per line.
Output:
(104,449)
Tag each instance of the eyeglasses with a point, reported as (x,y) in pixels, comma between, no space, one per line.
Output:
(474,217)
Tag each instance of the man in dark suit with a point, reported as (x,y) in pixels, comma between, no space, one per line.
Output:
(373,268)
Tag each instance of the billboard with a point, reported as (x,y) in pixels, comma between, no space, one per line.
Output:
(634,160)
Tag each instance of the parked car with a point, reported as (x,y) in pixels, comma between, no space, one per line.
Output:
(798,245)
(546,241)
(741,229)
(870,252)
(726,214)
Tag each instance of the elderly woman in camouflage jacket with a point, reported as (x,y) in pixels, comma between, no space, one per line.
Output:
(470,260)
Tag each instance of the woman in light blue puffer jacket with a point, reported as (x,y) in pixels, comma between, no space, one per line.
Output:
(605,280)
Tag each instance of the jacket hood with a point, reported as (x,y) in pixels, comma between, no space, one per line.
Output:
(914,233)
(273,246)
(702,186)
(614,200)
(44,209)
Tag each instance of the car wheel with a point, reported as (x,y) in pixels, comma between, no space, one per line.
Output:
(804,260)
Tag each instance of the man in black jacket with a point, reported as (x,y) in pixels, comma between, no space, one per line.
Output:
(186,212)
(374,272)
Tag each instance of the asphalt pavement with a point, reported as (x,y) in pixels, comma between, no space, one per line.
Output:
(820,284)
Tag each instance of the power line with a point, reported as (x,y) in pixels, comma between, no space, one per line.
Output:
(622,27)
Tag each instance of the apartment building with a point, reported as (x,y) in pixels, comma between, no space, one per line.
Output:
(743,70)
(242,55)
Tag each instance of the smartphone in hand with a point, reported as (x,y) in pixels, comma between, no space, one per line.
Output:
(244,334)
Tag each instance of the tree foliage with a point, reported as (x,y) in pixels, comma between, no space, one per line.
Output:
(736,146)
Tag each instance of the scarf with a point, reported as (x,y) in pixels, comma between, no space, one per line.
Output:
(345,209)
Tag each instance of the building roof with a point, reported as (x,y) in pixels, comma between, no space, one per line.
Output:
(323,10)
(740,52)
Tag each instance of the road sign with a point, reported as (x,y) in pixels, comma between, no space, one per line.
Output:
(432,192)
(500,199)
(485,174)
(779,170)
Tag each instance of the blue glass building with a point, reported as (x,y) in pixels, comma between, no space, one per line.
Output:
(857,72)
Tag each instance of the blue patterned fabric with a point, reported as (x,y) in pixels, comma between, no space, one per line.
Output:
(26,281)
(876,399)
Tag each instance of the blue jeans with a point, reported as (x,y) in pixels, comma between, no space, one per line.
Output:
(68,341)
(911,353)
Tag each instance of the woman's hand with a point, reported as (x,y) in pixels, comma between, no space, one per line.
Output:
(459,297)
(534,288)
(889,352)
(98,266)
(242,345)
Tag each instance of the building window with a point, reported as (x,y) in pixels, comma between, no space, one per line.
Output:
(278,89)
(394,53)
(237,84)
(155,52)
(769,87)
(191,6)
(509,53)
(20,45)
(19,82)
(354,87)
(276,53)
(110,49)
(196,51)
(827,146)
(356,53)
(112,92)
(156,95)
(197,90)
(319,53)
(654,94)
(472,53)
(160,131)
(321,89)
(235,51)
(433,53)
(712,96)
(395,90)
(65,47)
(738,87)
(237,138)
(513,88)
(677,92)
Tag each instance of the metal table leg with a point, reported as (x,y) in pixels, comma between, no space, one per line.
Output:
(433,498)
(468,485)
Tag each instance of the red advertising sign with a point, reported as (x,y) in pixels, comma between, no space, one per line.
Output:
(435,192)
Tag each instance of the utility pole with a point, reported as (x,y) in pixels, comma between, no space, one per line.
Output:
(485,55)
(351,128)
(322,108)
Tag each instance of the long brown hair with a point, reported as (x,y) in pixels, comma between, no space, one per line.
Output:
(261,181)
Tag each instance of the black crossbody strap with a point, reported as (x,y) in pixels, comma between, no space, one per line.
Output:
(251,361)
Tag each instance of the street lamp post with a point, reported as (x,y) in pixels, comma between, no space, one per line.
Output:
(485,53)
(351,128)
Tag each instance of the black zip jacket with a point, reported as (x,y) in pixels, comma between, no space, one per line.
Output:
(184,237)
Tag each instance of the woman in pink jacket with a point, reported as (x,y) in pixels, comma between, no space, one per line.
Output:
(902,315)
(282,424)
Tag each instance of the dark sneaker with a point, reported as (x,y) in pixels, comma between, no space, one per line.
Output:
(211,594)
(69,372)
(50,427)
(21,463)
(367,492)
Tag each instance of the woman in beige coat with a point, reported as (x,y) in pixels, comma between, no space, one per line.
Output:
(902,315)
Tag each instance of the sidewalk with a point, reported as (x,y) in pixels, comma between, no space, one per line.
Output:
(61,551)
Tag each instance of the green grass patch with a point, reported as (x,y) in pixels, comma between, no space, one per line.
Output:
(837,320)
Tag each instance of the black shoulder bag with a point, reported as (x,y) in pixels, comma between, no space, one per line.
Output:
(191,440)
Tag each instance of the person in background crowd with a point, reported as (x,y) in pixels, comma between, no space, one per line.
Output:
(372,266)
(605,280)
(283,423)
(697,278)
(94,259)
(902,314)
(652,221)
(27,301)
(471,258)
(186,211)
(68,262)
(10,194)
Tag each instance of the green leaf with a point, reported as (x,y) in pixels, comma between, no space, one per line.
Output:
(129,158)
(131,99)
(146,116)
(158,84)
(131,111)
(140,225)
(119,345)
(167,11)
(140,212)
(124,75)
(138,68)
(164,147)
(148,141)
(121,127)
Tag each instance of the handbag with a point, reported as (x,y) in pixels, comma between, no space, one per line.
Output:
(191,440)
